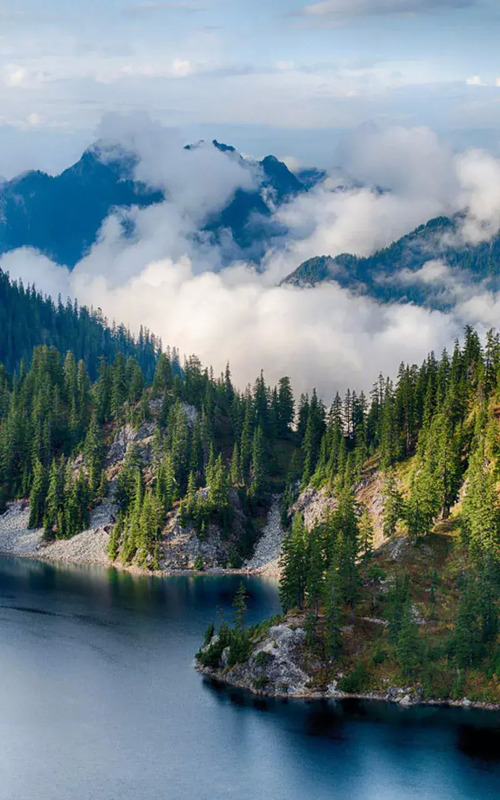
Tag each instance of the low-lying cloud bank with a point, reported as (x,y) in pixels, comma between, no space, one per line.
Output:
(169,279)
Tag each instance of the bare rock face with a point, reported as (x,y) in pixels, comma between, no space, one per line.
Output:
(182,546)
(280,661)
(314,505)
(369,492)
(125,437)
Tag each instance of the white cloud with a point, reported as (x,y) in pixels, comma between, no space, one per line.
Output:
(322,337)
(433,272)
(14,76)
(479,176)
(474,80)
(354,8)
(170,280)
(34,118)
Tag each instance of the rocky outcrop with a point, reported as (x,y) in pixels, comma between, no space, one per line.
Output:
(183,548)
(369,492)
(314,505)
(126,436)
(274,666)
(279,666)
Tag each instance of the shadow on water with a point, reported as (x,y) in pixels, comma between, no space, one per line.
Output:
(478,737)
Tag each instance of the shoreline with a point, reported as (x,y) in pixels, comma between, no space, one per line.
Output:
(89,548)
(134,569)
(223,680)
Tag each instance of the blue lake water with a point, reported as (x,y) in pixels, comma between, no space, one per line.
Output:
(99,700)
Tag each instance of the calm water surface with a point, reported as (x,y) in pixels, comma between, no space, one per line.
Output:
(98,699)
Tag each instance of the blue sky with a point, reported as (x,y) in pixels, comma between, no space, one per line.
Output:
(268,75)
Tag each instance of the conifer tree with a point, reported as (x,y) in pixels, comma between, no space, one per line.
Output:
(258,469)
(55,499)
(294,566)
(38,495)
(407,645)
(393,504)
(366,535)
(481,529)
(235,475)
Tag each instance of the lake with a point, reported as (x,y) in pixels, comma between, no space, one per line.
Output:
(99,700)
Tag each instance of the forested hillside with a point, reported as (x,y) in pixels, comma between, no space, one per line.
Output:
(172,451)
(29,319)
(422,611)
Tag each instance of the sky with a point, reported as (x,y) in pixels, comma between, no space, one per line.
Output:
(267,76)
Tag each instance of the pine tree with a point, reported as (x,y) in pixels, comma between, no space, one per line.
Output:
(294,566)
(38,495)
(393,504)
(466,642)
(407,645)
(55,498)
(334,611)
(480,511)
(258,469)
(240,607)
(286,406)
(235,475)
(315,571)
(366,535)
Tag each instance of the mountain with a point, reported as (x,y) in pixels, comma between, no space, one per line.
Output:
(61,215)
(396,272)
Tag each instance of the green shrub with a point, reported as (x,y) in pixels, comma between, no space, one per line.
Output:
(209,634)
(239,648)
(260,683)
(356,681)
(379,656)
(198,563)
(263,659)
(211,657)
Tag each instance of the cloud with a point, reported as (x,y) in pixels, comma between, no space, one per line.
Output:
(474,80)
(479,177)
(140,9)
(359,8)
(14,76)
(433,272)
(169,278)
(323,337)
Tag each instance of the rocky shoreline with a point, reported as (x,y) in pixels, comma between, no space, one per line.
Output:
(219,677)
(89,548)
(276,668)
